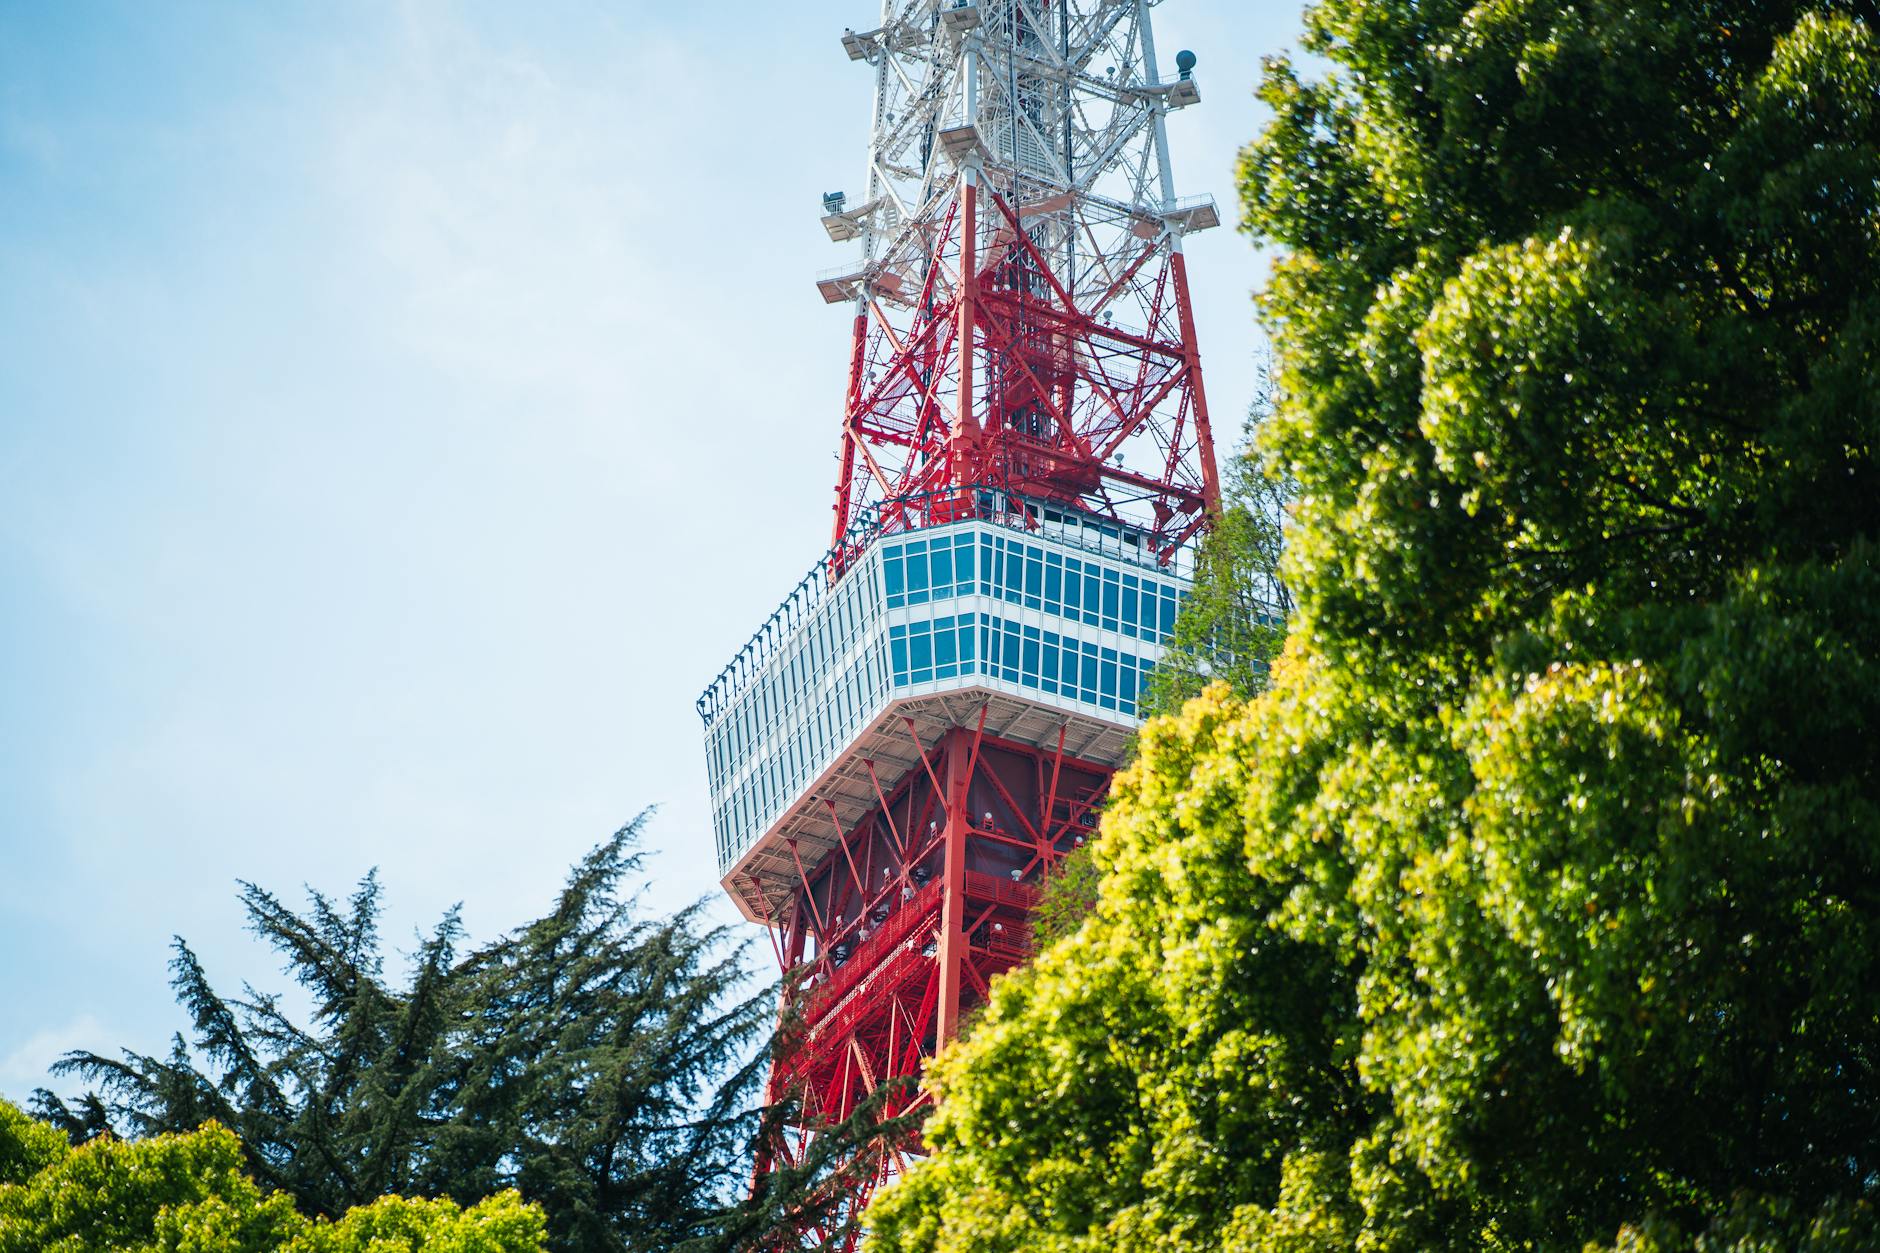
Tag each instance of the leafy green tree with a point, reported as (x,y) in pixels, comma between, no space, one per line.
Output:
(26,1145)
(603,1063)
(189,1193)
(1537,901)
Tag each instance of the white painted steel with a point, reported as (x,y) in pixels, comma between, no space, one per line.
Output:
(1068,109)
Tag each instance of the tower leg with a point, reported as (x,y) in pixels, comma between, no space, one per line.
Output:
(953,908)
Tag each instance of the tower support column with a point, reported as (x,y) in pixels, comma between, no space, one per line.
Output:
(953,907)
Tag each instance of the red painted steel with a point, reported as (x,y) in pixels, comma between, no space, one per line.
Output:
(997,377)
(985,820)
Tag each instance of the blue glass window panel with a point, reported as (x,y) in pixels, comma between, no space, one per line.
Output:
(891,575)
(1073,587)
(897,644)
(1128,615)
(946,649)
(1054,585)
(1088,675)
(1034,578)
(1029,664)
(985,565)
(1093,594)
(963,563)
(1048,667)
(916,579)
(1111,598)
(941,561)
(1008,652)
(1168,612)
(1126,685)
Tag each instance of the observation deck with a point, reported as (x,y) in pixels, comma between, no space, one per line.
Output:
(1047,620)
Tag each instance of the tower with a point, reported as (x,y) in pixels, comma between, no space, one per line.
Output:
(927,724)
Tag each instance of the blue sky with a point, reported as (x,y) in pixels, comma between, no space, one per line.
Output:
(405,409)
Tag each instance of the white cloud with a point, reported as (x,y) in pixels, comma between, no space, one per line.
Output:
(25,1068)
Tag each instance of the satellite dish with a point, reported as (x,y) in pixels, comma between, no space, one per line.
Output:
(1185,62)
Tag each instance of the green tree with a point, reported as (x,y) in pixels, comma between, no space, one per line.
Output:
(1233,621)
(1537,902)
(189,1193)
(603,1063)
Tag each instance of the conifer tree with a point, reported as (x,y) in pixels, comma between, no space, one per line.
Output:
(604,1063)
(1230,627)
(1233,619)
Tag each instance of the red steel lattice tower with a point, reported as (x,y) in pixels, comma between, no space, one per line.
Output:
(927,724)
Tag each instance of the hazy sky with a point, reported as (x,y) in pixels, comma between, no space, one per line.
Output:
(405,410)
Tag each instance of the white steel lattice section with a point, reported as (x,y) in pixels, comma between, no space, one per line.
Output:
(1066,105)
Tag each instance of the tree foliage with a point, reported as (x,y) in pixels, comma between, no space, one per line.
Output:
(190,1193)
(1537,902)
(603,1063)
(1234,618)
